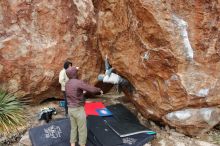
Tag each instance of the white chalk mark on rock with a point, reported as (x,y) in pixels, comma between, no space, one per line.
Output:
(182,25)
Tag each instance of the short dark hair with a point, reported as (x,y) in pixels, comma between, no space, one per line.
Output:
(66,64)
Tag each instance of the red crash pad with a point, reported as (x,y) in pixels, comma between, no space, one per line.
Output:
(91,107)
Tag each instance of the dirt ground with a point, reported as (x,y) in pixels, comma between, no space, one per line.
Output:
(166,136)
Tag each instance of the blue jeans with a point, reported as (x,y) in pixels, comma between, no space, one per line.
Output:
(65,106)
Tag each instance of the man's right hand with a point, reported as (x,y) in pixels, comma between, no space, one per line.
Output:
(101,92)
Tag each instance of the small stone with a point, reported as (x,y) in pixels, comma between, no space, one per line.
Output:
(167,128)
(177,134)
(152,123)
(147,144)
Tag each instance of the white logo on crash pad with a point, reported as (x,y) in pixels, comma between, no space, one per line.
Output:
(53,132)
(129,141)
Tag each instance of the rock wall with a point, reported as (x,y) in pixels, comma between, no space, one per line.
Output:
(36,37)
(168,49)
(172,58)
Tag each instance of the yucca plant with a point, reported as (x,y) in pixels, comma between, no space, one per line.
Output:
(11,113)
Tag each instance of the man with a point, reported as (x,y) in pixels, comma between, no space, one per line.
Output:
(62,80)
(75,98)
(113,78)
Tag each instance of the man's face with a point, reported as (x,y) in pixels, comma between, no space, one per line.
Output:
(70,65)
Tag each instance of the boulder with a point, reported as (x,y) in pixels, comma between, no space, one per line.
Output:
(36,37)
(169,50)
(172,57)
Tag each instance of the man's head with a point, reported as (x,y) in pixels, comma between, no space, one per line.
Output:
(67,64)
(101,77)
(72,72)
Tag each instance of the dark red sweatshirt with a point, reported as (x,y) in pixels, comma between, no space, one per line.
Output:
(74,89)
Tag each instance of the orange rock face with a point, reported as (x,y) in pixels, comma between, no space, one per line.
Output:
(36,37)
(168,49)
(169,54)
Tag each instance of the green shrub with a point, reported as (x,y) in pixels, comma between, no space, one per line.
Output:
(11,113)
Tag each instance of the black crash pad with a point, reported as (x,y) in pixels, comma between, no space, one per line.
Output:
(123,122)
(56,133)
(133,140)
(104,135)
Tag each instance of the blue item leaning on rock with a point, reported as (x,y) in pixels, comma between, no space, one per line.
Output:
(62,103)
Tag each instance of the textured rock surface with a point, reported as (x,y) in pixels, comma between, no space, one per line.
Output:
(169,50)
(35,39)
(171,54)
(186,119)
